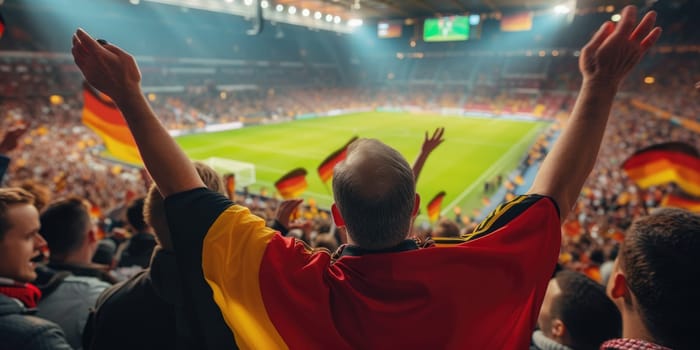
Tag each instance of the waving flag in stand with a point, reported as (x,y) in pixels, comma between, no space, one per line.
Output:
(434,206)
(325,170)
(292,184)
(104,118)
(671,162)
(683,202)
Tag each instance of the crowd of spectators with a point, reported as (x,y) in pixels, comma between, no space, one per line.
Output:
(58,157)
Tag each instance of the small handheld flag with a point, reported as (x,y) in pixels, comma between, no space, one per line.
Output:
(292,184)
(434,206)
(325,170)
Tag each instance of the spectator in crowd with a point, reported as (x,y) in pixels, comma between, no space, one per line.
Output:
(576,314)
(138,249)
(71,281)
(20,248)
(146,306)
(655,283)
(8,143)
(225,252)
(447,229)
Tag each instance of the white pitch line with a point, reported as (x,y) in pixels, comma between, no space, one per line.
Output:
(490,171)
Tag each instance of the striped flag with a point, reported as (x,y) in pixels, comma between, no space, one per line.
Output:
(671,162)
(517,22)
(104,118)
(325,170)
(683,202)
(292,184)
(434,206)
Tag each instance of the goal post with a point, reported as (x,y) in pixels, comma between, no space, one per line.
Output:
(245,172)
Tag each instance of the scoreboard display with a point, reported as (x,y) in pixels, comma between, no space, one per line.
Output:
(453,28)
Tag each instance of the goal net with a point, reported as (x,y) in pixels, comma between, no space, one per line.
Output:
(245,172)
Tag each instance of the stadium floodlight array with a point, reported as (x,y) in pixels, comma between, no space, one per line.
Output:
(275,13)
(245,172)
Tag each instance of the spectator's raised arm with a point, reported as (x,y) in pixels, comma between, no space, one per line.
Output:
(115,73)
(604,62)
(429,145)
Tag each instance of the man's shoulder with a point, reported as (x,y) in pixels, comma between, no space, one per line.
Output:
(76,287)
(523,213)
(17,327)
(86,282)
(131,292)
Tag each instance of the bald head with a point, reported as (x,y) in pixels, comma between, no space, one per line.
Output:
(375,193)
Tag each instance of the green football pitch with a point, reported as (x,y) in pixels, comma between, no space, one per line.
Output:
(475,150)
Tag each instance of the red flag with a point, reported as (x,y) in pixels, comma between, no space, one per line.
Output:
(2,25)
(292,184)
(325,170)
(434,206)
(230,180)
(683,202)
(671,162)
(102,116)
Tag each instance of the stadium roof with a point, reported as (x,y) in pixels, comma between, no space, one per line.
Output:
(426,8)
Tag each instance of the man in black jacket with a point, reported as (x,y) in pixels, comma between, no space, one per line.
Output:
(147,305)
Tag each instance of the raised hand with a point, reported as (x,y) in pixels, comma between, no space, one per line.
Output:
(106,67)
(285,210)
(614,51)
(11,138)
(431,143)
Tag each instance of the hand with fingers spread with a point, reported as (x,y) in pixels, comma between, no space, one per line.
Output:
(615,50)
(106,67)
(11,139)
(430,143)
(285,210)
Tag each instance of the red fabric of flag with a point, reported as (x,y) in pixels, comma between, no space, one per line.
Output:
(671,162)
(434,206)
(325,170)
(292,184)
(104,118)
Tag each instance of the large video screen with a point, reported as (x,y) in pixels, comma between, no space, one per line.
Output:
(454,28)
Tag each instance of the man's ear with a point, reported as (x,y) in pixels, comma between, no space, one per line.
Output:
(337,218)
(416,206)
(92,235)
(558,328)
(619,289)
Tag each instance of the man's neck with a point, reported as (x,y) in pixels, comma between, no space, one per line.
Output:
(634,328)
(82,257)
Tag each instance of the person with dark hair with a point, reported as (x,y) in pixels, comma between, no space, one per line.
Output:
(71,282)
(146,306)
(20,248)
(655,282)
(575,314)
(383,291)
(138,249)
(446,228)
